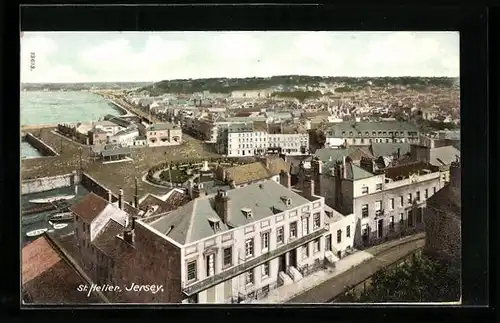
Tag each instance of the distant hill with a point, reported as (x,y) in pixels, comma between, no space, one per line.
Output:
(227,85)
(82,86)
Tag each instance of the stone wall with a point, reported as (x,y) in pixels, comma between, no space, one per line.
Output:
(47,183)
(45,149)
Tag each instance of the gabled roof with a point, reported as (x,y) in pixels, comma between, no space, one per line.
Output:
(89,207)
(355,172)
(48,277)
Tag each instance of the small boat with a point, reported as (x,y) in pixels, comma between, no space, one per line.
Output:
(61,217)
(58,226)
(52,199)
(35,233)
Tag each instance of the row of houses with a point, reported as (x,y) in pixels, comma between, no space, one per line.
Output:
(268,224)
(118,131)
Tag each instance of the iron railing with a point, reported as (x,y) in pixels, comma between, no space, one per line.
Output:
(250,264)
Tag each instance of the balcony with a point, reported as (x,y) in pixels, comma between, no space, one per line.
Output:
(250,264)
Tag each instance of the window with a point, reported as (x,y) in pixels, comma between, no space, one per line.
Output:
(265,290)
(249,277)
(304,251)
(426,193)
(378,208)
(316,220)
(418,196)
(305,226)
(401,201)
(293,230)
(316,246)
(378,187)
(391,224)
(434,189)
(265,270)
(401,217)
(249,248)
(410,218)
(280,235)
(364,210)
(265,241)
(348,231)
(391,204)
(228,256)
(364,190)
(339,236)
(191,270)
(410,200)
(210,265)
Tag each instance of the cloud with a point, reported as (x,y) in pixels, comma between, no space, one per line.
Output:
(80,57)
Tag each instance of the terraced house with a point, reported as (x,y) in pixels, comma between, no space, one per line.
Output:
(366,133)
(386,202)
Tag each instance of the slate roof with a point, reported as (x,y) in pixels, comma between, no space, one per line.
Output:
(336,129)
(355,172)
(191,222)
(443,156)
(91,206)
(337,154)
(389,149)
(248,173)
(48,278)
(173,200)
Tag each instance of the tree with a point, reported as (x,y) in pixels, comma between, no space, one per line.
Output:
(419,279)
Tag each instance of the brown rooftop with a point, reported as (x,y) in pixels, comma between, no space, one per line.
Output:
(48,278)
(89,207)
(106,240)
(247,173)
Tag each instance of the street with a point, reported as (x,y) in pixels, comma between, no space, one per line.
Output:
(383,255)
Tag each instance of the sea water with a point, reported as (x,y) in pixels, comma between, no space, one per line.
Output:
(39,107)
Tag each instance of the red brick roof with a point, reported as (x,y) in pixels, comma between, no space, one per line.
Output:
(89,207)
(48,278)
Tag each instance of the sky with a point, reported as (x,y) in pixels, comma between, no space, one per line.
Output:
(70,57)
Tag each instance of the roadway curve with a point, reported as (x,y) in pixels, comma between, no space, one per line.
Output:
(384,255)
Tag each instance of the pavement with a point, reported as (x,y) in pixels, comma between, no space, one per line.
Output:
(322,286)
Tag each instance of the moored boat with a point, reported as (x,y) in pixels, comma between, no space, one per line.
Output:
(61,217)
(35,233)
(58,226)
(52,199)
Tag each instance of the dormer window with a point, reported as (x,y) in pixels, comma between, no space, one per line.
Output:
(247,212)
(214,224)
(287,200)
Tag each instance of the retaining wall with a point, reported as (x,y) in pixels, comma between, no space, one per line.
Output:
(45,149)
(48,183)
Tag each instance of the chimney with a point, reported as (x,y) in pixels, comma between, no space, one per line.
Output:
(128,236)
(223,205)
(198,191)
(308,190)
(286,179)
(110,197)
(120,199)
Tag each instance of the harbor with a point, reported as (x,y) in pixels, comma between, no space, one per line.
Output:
(51,217)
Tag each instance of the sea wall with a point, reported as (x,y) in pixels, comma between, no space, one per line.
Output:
(45,149)
(97,188)
(48,183)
